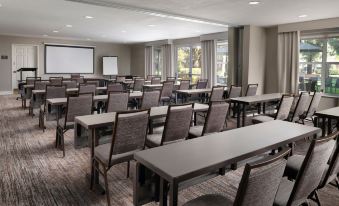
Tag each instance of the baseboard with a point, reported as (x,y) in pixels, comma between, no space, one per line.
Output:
(6,92)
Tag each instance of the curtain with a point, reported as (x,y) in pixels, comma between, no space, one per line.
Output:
(208,61)
(167,68)
(148,60)
(288,61)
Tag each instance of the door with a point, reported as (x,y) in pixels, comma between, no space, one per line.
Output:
(23,56)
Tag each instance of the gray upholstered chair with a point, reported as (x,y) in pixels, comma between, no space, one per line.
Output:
(184,84)
(308,178)
(129,135)
(251,90)
(79,79)
(55,81)
(37,100)
(117,102)
(149,77)
(96,82)
(70,84)
(217,93)
(177,125)
(282,113)
(150,99)
(312,108)
(156,80)
(171,79)
(138,84)
(166,92)
(115,87)
(120,79)
(202,83)
(27,93)
(300,107)
(215,120)
(76,106)
(87,88)
(235,91)
(258,185)
(51,92)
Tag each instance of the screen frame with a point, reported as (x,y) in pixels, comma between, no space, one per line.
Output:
(103,65)
(69,46)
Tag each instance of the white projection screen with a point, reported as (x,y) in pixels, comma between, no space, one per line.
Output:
(61,59)
(110,65)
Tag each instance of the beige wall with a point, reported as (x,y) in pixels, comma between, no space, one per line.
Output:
(271,73)
(101,49)
(138,60)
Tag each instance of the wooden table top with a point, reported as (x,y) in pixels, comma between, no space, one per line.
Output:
(258,98)
(191,158)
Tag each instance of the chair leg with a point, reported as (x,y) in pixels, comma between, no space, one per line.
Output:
(63,143)
(56,137)
(92,174)
(128,167)
(317,198)
(106,187)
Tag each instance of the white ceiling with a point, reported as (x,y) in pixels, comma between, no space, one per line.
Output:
(127,21)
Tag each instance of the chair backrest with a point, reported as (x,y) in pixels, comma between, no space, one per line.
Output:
(70,84)
(260,181)
(216,117)
(184,85)
(217,93)
(41,85)
(311,170)
(284,107)
(156,80)
(314,104)
(31,80)
(149,77)
(120,79)
(79,80)
(150,99)
(235,91)
(172,79)
(202,83)
(333,165)
(55,92)
(251,90)
(138,84)
(301,106)
(115,87)
(167,89)
(96,82)
(87,88)
(78,106)
(55,81)
(177,123)
(117,102)
(129,132)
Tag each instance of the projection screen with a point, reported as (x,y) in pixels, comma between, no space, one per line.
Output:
(64,59)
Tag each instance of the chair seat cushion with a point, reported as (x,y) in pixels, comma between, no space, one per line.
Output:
(261,119)
(293,166)
(284,192)
(101,152)
(209,200)
(195,131)
(69,125)
(153,140)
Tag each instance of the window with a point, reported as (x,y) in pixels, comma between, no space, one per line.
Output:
(221,62)
(319,65)
(157,61)
(189,62)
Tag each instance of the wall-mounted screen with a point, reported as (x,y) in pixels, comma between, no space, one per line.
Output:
(110,65)
(63,59)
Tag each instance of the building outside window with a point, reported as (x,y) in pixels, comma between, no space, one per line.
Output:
(157,61)
(221,62)
(188,60)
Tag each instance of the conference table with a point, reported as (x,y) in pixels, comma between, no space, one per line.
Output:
(243,102)
(176,164)
(188,92)
(329,114)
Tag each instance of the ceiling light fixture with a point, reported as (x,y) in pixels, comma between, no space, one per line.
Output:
(151,25)
(0,5)
(89,17)
(45,35)
(123,31)
(88,39)
(254,2)
(302,16)
(55,31)
(69,26)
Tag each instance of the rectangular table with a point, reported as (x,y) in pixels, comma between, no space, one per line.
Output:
(183,161)
(243,102)
(329,114)
(187,92)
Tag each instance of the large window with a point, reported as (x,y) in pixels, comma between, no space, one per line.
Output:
(189,62)
(221,62)
(319,65)
(157,61)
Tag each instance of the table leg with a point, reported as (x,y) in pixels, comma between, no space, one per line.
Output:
(238,114)
(173,194)
(195,118)
(163,192)
(243,115)
(329,126)
(323,127)
(264,108)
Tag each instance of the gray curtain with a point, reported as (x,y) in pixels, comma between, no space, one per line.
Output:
(208,61)
(288,61)
(167,68)
(148,60)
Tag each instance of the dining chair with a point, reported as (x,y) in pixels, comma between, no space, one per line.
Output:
(202,84)
(156,80)
(79,80)
(76,106)
(300,107)
(217,93)
(138,84)
(282,113)
(308,178)
(96,82)
(27,93)
(215,120)
(70,84)
(177,125)
(115,87)
(55,81)
(117,102)
(51,92)
(251,90)
(312,108)
(184,85)
(258,185)
(129,136)
(37,100)
(172,79)
(149,77)
(235,91)
(75,76)
(87,88)
(150,99)
(166,92)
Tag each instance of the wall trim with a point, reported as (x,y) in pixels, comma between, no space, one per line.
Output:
(6,92)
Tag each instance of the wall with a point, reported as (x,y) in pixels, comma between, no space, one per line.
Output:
(138,60)
(101,49)
(271,72)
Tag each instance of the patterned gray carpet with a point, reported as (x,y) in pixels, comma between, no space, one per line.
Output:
(33,172)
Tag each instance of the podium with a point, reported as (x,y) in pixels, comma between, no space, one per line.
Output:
(27,70)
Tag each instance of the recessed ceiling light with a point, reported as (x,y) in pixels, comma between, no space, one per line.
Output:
(123,31)
(69,26)
(254,2)
(55,31)
(302,16)
(0,5)
(45,35)
(151,25)
(88,39)
(89,17)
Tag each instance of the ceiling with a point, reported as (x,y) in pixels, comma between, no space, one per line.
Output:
(130,21)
